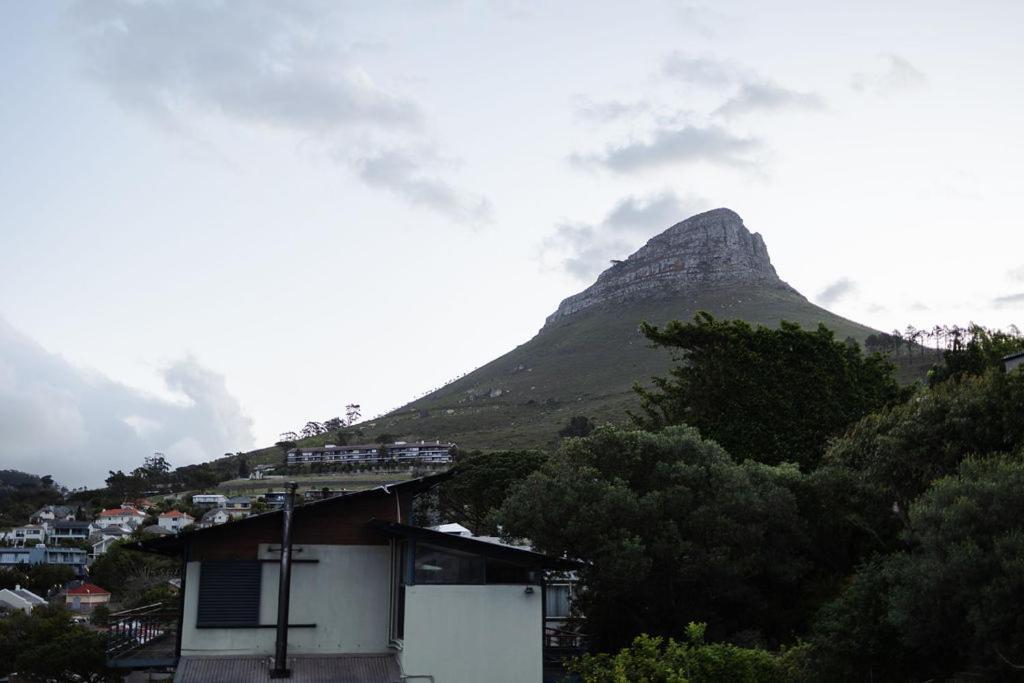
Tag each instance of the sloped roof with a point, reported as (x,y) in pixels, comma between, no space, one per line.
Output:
(370,668)
(88,589)
(175,513)
(120,512)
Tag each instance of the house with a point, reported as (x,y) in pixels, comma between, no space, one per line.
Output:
(175,521)
(20,598)
(75,558)
(123,516)
(364,595)
(238,507)
(213,518)
(1013,361)
(104,538)
(50,513)
(86,597)
(157,530)
(321,493)
(211,499)
(69,530)
(30,534)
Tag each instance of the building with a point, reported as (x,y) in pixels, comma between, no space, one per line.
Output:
(211,499)
(238,506)
(175,521)
(213,518)
(30,534)
(370,592)
(106,537)
(50,513)
(69,530)
(20,598)
(122,516)
(422,451)
(1013,361)
(86,597)
(75,558)
(321,493)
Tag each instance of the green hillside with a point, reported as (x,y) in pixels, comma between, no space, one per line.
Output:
(584,365)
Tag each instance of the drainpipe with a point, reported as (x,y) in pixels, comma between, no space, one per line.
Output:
(281,669)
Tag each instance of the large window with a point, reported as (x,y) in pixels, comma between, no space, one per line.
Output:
(229,593)
(556,601)
(434,565)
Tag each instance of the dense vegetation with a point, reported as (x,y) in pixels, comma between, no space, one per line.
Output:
(46,646)
(872,535)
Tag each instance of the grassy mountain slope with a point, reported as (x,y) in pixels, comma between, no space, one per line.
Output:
(585,365)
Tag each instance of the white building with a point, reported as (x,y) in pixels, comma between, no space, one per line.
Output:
(29,535)
(122,516)
(20,598)
(175,521)
(421,451)
(212,499)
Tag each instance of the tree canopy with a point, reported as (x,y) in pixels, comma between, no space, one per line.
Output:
(769,394)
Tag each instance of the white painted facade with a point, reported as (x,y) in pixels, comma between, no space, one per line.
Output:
(466,634)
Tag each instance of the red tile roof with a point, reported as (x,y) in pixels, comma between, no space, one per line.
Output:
(175,513)
(118,512)
(88,589)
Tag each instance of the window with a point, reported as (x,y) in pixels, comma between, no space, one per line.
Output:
(437,566)
(556,601)
(229,593)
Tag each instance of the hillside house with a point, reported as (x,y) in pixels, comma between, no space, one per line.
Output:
(213,518)
(175,521)
(238,507)
(372,598)
(75,558)
(104,538)
(68,530)
(50,513)
(125,516)
(423,451)
(20,598)
(29,535)
(86,597)
(209,499)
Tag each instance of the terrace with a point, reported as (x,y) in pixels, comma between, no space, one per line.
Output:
(144,637)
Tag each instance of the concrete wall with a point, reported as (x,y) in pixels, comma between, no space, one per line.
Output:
(468,634)
(345,594)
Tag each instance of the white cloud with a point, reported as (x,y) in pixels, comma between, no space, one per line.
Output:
(58,419)
(896,75)
(836,291)
(765,96)
(676,145)
(583,250)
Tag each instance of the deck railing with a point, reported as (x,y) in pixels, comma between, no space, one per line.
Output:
(143,637)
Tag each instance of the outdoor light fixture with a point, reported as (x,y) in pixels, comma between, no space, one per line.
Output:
(529,590)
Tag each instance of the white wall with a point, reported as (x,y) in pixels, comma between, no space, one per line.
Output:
(345,594)
(468,634)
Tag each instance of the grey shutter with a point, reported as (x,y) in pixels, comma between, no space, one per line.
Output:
(229,593)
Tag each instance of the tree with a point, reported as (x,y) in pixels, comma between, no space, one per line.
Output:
(384,438)
(674,531)
(772,395)
(950,601)
(127,574)
(124,486)
(352,414)
(902,449)
(45,646)
(481,483)
(311,429)
(984,349)
(578,425)
(243,468)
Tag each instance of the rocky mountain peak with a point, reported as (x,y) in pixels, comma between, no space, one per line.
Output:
(710,250)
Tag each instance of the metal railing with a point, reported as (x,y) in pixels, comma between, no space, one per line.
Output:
(146,633)
(564,641)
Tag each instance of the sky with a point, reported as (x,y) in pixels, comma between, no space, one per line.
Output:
(219,220)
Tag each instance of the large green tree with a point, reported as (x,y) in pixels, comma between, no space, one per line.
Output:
(904,448)
(769,394)
(481,483)
(45,646)
(673,530)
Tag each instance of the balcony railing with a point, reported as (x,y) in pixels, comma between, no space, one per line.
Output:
(144,637)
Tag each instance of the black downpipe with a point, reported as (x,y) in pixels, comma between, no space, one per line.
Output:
(281,669)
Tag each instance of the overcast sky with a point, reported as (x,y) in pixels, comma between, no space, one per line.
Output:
(221,219)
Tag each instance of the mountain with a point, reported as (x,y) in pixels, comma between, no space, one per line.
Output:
(587,356)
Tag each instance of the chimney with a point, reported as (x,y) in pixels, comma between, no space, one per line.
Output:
(281,669)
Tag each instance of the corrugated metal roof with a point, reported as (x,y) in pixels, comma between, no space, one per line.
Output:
(304,668)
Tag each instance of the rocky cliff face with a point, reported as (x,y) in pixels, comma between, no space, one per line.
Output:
(710,250)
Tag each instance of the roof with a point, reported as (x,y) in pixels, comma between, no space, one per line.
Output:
(375,668)
(156,530)
(1013,356)
(25,594)
(88,589)
(495,551)
(113,530)
(370,446)
(71,524)
(120,512)
(240,499)
(175,513)
(174,545)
